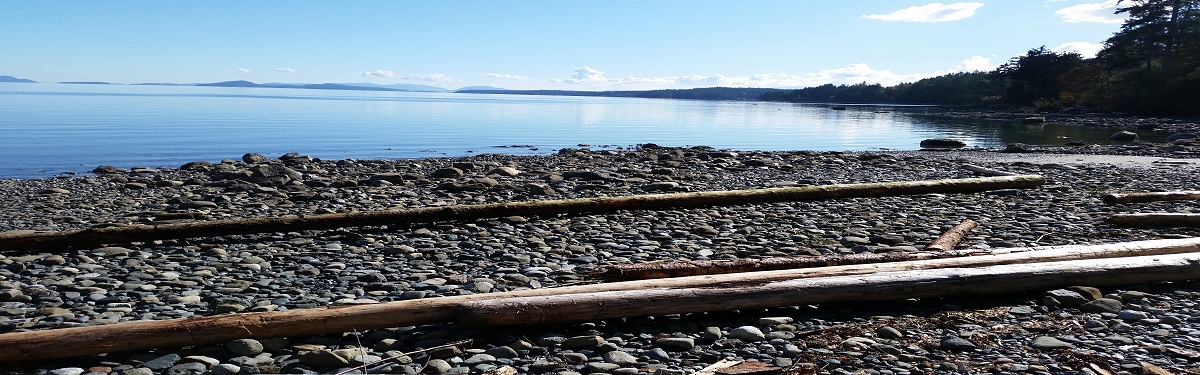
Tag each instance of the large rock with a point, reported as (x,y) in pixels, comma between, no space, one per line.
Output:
(1017,148)
(1180,136)
(942,143)
(1124,135)
(253,158)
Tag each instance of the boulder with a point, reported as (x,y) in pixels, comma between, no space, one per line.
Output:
(253,158)
(1017,148)
(1179,136)
(942,143)
(1124,135)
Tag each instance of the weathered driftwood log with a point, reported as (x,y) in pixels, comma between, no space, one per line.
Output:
(682,268)
(952,237)
(1120,198)
(68,342)
(876,287)
(987,171)
(1155,220)
(140,233)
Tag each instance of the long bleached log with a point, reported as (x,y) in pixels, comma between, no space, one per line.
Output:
(56,241)
(876,287)
(1155,220)
(987,171)
(952,237)
(1122,198)
(68,342)
(683,268)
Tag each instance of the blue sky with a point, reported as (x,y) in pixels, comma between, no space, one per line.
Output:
(576,45)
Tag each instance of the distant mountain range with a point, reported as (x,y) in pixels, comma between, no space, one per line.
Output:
(353,86)
(15,79)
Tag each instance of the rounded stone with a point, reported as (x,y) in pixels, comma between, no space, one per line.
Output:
(1102,305)
(1050,343)
(956,343)
(246,347)
(747,334)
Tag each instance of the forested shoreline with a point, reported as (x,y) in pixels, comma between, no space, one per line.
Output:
(1151,66)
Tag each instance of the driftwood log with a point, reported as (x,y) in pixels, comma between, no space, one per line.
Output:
(57,241)
(987,171)
(875,287)
(1155,220)
(952,237)
(1122,198)
(68,342)
(682,268)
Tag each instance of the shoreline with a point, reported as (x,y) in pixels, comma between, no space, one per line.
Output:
(276,271)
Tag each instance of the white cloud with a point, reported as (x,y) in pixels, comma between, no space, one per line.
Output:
(587,78)
(932,12)
(240,70)
(435,77)
(507,77)
(1091,12)
(379,74)
(1087,49)
(285,70)
(974,64)
(584,74)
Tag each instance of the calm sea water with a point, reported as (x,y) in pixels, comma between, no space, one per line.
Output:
(47,129)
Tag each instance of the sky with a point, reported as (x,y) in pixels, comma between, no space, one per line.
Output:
(554,44)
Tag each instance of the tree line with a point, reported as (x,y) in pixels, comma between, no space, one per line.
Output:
(1150,66)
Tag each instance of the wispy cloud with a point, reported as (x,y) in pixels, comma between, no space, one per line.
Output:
(435,77)
(1091,12)
(379,74)
(240,70)
(587,78)
(1087,49)
(285,70)
(932,12)
(507,77)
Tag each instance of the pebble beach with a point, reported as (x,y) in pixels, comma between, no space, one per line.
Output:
(1131,329)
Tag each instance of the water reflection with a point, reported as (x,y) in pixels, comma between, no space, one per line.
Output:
(51,128)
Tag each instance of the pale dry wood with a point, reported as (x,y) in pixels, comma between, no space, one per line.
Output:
(882,286)
(952,237)
(59,241)
(1122,198)
(1155,220)
(68,342)
(712,369)
(987,171)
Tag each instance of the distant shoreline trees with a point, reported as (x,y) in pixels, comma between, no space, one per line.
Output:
(1150,66)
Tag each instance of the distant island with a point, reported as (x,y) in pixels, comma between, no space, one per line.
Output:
(12,79)
(328,86)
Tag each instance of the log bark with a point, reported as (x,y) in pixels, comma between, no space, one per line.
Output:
(1123,198)
(1155,220)
(877,287)
(952,237)
(57,241)
(69,342)
(987,171)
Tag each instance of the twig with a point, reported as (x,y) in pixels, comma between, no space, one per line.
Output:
(456,343)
